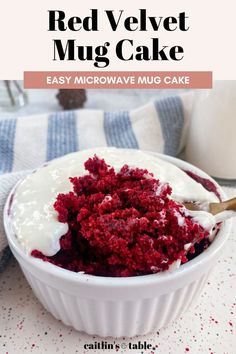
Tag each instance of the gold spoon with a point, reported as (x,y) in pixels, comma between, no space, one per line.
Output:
(213,208)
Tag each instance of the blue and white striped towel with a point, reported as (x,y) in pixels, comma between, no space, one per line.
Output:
(27,142)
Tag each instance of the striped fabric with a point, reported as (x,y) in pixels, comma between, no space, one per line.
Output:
(171,115)
(27,142)
(118,130)
(61,134)
(7,135)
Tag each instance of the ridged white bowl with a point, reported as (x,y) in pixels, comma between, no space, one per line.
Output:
(118,307)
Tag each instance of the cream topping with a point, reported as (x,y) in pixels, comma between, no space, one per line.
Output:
(35,220)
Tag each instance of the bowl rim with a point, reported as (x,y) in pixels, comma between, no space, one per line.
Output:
(157,278)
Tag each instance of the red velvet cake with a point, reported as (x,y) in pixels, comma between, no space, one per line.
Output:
(124,223)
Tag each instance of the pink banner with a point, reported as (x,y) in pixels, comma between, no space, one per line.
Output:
(117,79)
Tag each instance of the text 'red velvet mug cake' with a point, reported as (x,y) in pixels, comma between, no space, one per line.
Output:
(113,212)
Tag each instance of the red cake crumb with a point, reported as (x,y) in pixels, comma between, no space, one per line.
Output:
(207,184)
(121,224)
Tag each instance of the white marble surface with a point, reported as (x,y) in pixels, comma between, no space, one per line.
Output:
(208,327)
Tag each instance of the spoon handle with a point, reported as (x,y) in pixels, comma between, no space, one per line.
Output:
(216,208)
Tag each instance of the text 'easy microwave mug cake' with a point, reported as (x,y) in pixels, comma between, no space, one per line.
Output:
(106,243)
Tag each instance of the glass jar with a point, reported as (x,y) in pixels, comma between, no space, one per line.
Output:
(211,142)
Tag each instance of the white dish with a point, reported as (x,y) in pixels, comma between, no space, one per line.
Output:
(118,307)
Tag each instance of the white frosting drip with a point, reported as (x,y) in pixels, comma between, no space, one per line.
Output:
(35,220)
(205,219)
(180,218)
(175,265)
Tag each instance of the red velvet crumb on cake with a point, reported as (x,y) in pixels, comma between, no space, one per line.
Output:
(121,224)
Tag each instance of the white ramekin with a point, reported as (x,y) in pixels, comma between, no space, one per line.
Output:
(118,307)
